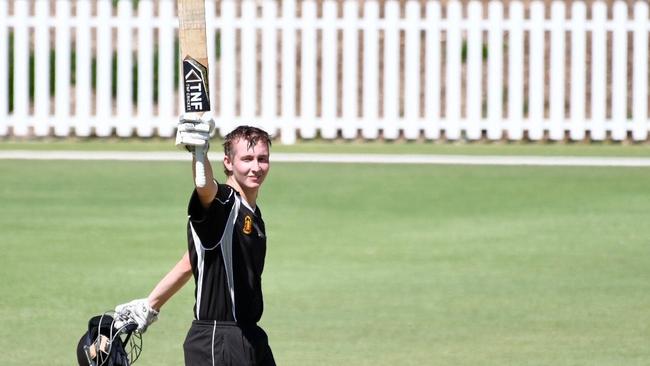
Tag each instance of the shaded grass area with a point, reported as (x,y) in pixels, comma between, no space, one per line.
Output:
(349,147)
(367,264)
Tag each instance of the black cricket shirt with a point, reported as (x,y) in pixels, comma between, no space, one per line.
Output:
(227,247)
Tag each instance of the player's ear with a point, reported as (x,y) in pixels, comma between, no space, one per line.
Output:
(227,163)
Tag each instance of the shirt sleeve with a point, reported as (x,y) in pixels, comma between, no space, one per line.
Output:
(210,223)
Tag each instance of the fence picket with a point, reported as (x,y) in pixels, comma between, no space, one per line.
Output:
(328,72)
(144,125)
(167,64)
(211,49)
(578,71)
(269,73)
(4,65)
(432,74)
(516,72)
(104,99)
(62,69)
(412,122)
(288,129)
(21,71)
(125,120)
(640,73)
(83,88)
(598,71)
(227,68)
(391,71)
(536,72)
(556,72)
(248,63)
(495,71)
(619,73)
(370,129)
(42,69)
(452,92)
(474,64)
(308,71)
(349,70)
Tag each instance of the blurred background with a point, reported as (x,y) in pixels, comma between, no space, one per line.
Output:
(371,70)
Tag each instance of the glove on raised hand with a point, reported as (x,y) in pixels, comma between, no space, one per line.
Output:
(137,311)
(195,131)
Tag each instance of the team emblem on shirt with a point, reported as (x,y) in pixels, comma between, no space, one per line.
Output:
(248,225)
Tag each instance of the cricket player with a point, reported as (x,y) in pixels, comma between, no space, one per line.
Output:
(226,251)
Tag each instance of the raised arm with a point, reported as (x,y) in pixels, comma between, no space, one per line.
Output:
(193,134)
(207,193)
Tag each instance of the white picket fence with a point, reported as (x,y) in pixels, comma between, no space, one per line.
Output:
(309,68)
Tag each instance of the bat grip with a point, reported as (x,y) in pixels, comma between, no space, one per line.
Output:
(199,154)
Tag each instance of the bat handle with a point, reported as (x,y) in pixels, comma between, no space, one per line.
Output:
(199,178)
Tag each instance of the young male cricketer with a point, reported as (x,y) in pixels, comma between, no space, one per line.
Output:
(226,250)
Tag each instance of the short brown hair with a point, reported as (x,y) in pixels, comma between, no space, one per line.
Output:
(251,134)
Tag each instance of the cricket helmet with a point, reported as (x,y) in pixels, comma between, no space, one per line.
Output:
(105,344)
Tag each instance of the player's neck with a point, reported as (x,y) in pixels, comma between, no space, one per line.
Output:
(249,195)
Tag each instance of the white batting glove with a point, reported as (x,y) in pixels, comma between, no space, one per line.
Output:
(137,311)
(194,131)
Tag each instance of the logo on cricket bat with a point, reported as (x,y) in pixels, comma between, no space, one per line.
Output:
(195,77)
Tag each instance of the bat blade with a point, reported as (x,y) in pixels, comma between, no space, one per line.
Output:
(194,57)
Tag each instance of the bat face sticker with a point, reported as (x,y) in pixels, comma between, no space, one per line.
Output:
(196,86)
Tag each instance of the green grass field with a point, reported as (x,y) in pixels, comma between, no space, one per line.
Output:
(367,264)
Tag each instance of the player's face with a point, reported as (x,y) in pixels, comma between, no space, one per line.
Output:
(249,166)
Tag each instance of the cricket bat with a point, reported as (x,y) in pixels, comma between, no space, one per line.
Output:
(194,59)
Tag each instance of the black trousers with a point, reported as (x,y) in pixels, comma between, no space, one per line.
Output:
(212,343)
